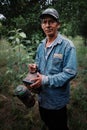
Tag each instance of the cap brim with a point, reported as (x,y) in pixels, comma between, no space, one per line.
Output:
(45,14)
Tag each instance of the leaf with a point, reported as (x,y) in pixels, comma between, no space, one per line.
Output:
(17,40)
(11,38)
(13,31)
(22,34)
(18,30)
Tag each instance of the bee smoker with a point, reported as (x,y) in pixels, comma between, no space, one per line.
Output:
(25,95)
(27,82)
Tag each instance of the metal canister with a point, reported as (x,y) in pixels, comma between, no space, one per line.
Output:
(25,95)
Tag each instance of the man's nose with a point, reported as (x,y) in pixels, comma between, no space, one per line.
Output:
(47,23)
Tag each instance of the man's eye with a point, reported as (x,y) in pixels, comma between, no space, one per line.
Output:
(44,22)
(48,21)
(51,21)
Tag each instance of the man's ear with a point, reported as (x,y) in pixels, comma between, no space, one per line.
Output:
(41,26)
(58,25)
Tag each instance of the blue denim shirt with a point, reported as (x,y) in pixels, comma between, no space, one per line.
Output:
(58,67)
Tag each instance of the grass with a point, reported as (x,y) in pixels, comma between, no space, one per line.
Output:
(14,115)
(78,104)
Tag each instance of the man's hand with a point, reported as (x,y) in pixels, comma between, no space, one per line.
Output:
(32,68)
(37,81)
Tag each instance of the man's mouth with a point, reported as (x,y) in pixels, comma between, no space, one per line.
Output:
(48,31)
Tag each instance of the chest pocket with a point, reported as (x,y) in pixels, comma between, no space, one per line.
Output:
(57,58)
(56,61)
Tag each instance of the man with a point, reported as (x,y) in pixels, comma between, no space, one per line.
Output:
(56,63)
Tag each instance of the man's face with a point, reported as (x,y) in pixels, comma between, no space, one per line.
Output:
(49,26)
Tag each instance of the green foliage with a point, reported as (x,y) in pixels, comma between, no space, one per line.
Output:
(77,109)
(73,17)
(20,58)
(79,97)
(14,58)
(16,36)
(3,30)
(4,53)
(12,71)
(25,15)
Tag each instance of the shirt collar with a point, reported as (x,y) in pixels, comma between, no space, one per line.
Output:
(58,40)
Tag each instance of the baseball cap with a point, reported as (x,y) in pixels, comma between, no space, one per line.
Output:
(50,11)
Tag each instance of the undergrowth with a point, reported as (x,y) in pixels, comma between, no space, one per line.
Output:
(13,114)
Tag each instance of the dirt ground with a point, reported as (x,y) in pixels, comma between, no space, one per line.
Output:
(10,109)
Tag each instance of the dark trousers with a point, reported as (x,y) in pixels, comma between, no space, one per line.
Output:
(54,119)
